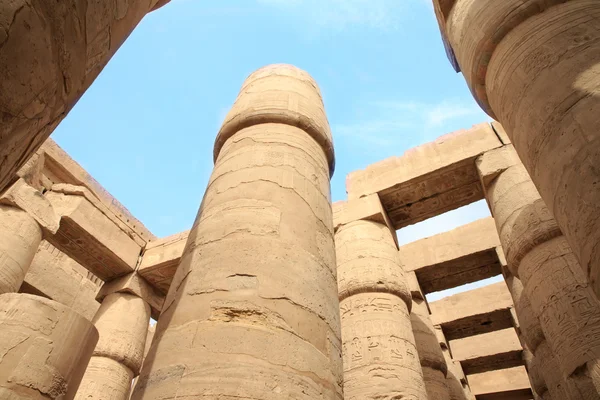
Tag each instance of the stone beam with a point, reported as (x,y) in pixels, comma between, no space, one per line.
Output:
(477,311)
(160,260)
(463,255)
(90,234)
(134,284)
(428,180)
(502,384)
(54,275)
(488,351)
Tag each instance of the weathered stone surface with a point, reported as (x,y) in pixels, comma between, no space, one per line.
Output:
(379,348)
(89,236)
(556,286)
(427,180)
(55,275)
(44,348)
(509,383)
(134,284)
(160,260)
(368,208)
(454,258)
(477,311)
(122,323)
(20,235)
(49,56)
(456,381)
(488,351)
(253,310)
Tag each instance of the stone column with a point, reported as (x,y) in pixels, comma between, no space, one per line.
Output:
(432,359)
(380,354)
(122,322)
(533,66)
(252,311)
(537,253)
(45,347)
(50,53)
(456,381)
(24,215)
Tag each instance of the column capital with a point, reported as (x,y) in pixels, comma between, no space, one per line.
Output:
(32,201)
(134,284)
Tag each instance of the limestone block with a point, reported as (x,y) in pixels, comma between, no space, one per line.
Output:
(508,382)
(89,236)
(253,310)
(29,199)
(428,180)
(488,351)
(454,258)
(48,60)
(160,260)
(473,312)
(55,275)
(44,348)
(134,284)
(20,235)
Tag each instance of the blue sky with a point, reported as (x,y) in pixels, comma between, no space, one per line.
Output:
(145,129)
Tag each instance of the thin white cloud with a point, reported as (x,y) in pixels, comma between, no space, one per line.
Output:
(341,14)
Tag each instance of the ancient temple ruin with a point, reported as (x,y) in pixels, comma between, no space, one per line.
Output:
(275,292)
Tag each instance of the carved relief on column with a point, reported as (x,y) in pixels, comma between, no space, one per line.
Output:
(45,348)
(537,252)
(380,354)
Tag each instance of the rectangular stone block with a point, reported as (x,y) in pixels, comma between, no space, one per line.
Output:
(454,258)
(488,351)
(509,383)
(474,312)
(58,277)
(427,180)
(160,260)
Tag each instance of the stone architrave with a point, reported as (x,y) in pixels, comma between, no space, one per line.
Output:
(380,355)
(534,66)
(252,311)
(50,53)
(538,254)
(44,347)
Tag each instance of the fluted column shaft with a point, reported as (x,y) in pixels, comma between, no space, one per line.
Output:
(20,236)
(537,253)
(45,348)
(380,353)
(50,53)
(122,323)
(535,66)
(253,311)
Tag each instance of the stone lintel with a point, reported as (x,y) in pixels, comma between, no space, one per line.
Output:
(488,351)
(428,180)
(493,162)
(454,258)
(474,312)
(89,236)
(367,208)
(54,275)
(29,199)
(510,383)
(134,284)
(160,260)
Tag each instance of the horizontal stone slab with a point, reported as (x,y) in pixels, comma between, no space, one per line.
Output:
(428,180)
(463,255)
(160,260)
(474,312)
(488,351)
(502,384)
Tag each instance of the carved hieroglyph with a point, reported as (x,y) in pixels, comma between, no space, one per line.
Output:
(252,311)
(534,65)
(50,53)
(537,252)
(380,355)
(44,348)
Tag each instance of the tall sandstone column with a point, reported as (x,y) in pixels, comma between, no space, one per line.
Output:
(534,65)
(380,354)
(433,362)
(253,311)
(538,254)
(45,347)
(50,53)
